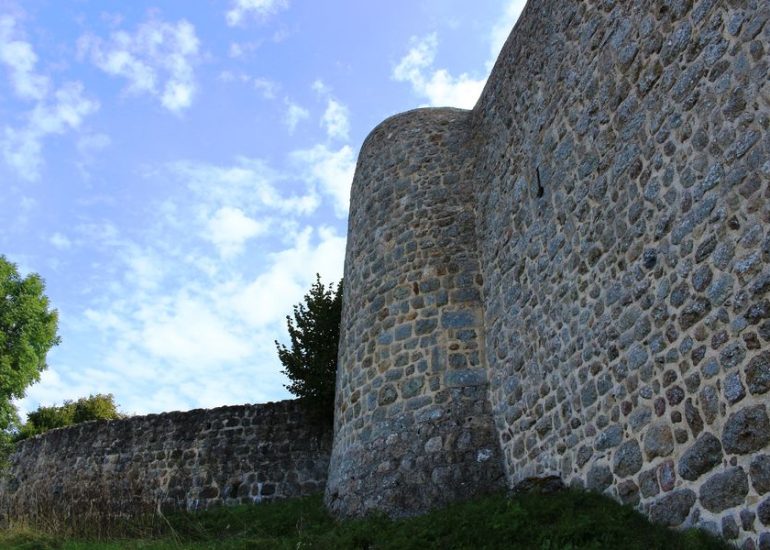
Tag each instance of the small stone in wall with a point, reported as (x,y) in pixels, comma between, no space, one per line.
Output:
(709,400)
(747,430)
(704,454)
(672,509)
(725,490)
(693,418)
(611,437)
(659,440)
(733,388)
(763,512)
(599,477)
(628,492)
(628,459)
(760,473)
(648,483)
(730,529)
(667,475)
(758,374)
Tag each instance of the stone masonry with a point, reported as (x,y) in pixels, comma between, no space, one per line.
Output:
(414,426)
(573,278)
(106,470)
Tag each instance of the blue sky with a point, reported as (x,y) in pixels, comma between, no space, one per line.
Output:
(178,171)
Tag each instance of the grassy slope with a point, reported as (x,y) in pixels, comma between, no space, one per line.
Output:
(564,520)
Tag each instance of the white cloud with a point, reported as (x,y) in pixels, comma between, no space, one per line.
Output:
(20,59)
(336,120)
(320,87)
(229,229)
(54,111)
(241,9)
(22,147)
(60,241)
(332,170)
(187,329)
(294,115)
(268,298)
(438,86)
(157,59)
(249,184)
(267,87)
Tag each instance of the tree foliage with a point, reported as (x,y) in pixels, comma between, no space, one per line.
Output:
(311,361)
(94,407)
(28,329)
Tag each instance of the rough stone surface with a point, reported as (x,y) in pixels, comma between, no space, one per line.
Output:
(581,261)
(178,460)
(760,473)
(412,267)
(705,453)
(725,490)
(599,478)
(610,212)
(659,440)
(747,430)
(673,508)
(628,459)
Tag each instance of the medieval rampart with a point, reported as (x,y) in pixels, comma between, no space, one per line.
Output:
(105,470)
(617,173)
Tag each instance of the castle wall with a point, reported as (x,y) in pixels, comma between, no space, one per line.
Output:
(617,168)
(413,426)
(97,472)
(623,195)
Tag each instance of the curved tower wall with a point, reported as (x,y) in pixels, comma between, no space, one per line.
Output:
(413,427)
(615,176)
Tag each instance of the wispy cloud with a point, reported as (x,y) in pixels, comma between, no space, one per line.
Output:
(20,60)
(331,169)
(229,229)
(22,148)
(157,59)
(243,9)
(54,111)
(60,241)
(294,115)
(249,184)
(176,313)
(437,85)
(336,120)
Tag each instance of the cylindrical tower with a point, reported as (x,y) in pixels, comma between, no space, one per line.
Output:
(413,426)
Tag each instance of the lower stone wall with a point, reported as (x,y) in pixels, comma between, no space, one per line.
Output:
(105,470)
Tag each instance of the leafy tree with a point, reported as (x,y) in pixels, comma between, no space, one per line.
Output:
(93,407)
(311,362)
(28,329)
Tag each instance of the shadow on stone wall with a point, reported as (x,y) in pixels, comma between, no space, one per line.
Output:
(92,477)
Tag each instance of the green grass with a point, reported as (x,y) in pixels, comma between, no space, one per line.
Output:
(566,520)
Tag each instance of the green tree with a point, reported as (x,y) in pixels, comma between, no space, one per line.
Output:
(28,329)
(311,361)
(94,407)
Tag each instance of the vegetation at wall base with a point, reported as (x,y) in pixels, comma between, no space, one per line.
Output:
(565,520)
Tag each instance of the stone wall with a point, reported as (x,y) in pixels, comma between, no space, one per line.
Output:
(620,183)
(413,423)
(180,460)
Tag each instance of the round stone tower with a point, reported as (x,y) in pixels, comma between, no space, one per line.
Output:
(413,425)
